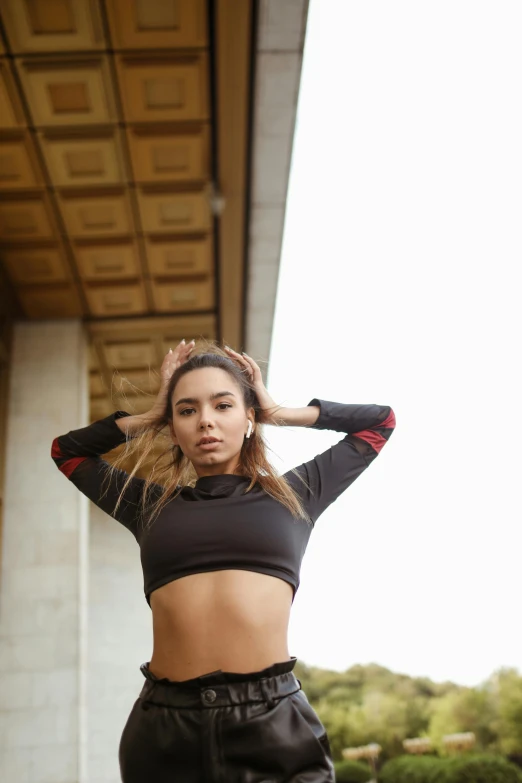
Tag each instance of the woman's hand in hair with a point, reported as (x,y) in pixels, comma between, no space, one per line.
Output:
(269,408)
(174,359)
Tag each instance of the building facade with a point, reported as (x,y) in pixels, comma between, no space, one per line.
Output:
(145,149)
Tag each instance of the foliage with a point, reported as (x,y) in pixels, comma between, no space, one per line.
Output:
(465,709)
(481,769)
(352,772)
(372,704)
(506,691)
(411,769)
(469,768)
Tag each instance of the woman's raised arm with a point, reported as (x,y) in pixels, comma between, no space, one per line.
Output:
(368,428)
(78,453)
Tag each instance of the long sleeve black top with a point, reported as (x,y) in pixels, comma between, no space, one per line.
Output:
(215,525)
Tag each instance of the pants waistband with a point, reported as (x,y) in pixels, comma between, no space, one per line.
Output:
(220,689)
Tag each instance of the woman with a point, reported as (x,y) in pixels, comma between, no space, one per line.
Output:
(222,537)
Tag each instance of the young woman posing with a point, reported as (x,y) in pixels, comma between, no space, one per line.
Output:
(222,537)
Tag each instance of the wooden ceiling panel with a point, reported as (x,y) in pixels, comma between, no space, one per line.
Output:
(103,215)
(154,327)
(131,354)
(201,326)
(52,25)
(18,165)
(68,92)
(136,382)
(11,114)
(183,295)
(96,384)
(30,266)
(179,258)
(93,358)
(107,261)
(107,141)
(124,299)
(170,156)
(156,89)
(50,302)
(91,160)
(136,404)
(25,218)
(158,24)
(100,408)
(170,213)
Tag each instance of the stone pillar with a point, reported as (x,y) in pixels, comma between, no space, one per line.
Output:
(44,571)
(120,639)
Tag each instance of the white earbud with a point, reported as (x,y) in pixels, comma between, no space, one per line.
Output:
(249,432)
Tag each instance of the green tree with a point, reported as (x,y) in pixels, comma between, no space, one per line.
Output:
(506,693)
(372,704)
(466,709)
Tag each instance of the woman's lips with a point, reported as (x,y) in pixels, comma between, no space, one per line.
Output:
(209,446)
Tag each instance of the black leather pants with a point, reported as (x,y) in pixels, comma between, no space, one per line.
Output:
(225,727)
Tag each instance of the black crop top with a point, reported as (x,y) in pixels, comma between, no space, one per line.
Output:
(215,525)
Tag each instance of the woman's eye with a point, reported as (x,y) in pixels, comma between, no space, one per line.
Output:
(221,404)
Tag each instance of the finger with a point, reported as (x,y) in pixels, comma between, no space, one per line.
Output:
(175,358)
(177,350)
(181,348)
(241,360)
(235,354)
(254,366)
(246,362)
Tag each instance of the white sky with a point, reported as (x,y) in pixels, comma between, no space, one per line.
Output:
(397,287)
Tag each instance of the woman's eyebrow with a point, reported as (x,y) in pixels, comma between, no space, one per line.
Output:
(194,400)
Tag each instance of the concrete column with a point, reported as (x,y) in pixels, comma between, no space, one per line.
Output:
(120,639)
(43,601)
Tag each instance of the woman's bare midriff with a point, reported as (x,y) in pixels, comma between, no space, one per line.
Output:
(232,620)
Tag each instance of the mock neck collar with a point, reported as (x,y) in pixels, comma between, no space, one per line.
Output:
(207,483)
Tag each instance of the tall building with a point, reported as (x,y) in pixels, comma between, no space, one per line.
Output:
(145,148)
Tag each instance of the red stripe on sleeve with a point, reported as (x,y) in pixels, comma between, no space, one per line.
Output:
(389,423)
(55,450)
(70,465)
(375,440)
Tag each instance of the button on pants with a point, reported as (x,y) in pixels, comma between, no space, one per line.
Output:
(225,727)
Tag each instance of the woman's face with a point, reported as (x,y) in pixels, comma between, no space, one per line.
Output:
(208,403)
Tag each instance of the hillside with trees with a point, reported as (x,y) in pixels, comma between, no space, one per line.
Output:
(367,704)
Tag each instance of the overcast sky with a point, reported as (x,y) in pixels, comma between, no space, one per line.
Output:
(397,286)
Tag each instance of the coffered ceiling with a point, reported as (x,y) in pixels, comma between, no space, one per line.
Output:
(124,174)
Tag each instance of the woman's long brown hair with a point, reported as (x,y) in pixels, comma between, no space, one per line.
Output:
(172,470)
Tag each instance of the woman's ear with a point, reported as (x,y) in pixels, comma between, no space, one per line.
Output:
(173,434)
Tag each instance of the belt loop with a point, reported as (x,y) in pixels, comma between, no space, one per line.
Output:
(268,698)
